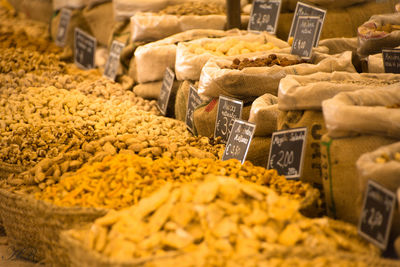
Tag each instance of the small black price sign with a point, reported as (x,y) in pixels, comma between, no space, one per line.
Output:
(287,152)
(85,49)
(112,64)
(303,9)
(304,37)
(239,140)
(229,109)
(391,60)
(377,214)
(165,92)
(194,101)
(264,15)
(65,17)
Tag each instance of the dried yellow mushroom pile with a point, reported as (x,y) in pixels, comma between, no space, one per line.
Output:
(218,219)
(384,158)
(194,8)
(122,180)
(230,47)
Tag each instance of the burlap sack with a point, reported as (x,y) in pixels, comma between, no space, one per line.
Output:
(100,21)
(148,90)
(152,59)
(372,41)
(314,122)
(40,10)
(340,176)
(16,4)
(152,27)
(363,112)
(181,100)
(188,65)
(259,150)
(77,20)
(125,9)
(253,82)
(375,64)
(74,4)
(264,114)
(340,44)
(387,174)
(340,22)
(205,116)
(307,92)
(290,5)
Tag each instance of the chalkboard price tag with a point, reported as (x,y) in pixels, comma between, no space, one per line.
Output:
(239,140)
(65,17)
(303,9)
(287,152)
(229,109)
(112,64)
(85,49)
(264,15)
(194,101)
(304,36)
(391,60)
(165,92)
(377,214)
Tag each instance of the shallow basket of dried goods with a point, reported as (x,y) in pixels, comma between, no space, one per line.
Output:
(33,226)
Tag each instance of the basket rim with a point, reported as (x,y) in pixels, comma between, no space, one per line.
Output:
(68,242)
(295,251)
(49,207)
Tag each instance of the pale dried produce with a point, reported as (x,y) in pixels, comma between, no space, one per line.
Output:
(230,47)
(194,8)
(16,59)
(217,219)
(122,180)
(41,123)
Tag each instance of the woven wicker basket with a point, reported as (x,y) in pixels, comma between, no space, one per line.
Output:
(33,226)
(7,169)
(83,257)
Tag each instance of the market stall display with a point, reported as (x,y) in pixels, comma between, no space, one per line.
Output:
(92,174)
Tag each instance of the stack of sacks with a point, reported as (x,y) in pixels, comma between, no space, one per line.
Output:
(382,166)
(357,122)
(179,17)
(300,102)
(225,76)
(342,19)
(148,65)
(264,114)
(381,31)
(192,56)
